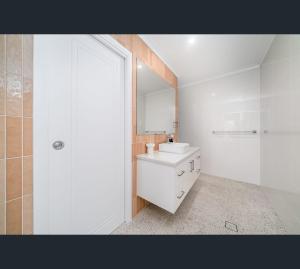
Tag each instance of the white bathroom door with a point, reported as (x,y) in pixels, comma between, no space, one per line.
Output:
(80,96)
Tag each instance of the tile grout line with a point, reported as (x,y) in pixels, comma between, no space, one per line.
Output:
(12,116)
(14,199)
(13,158)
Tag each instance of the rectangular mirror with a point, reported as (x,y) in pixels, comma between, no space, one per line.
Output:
(156,103)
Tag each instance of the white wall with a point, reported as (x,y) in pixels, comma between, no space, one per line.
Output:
(280,145)
(228,103)
(280,90)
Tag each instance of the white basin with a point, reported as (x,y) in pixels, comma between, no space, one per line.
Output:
(174,147)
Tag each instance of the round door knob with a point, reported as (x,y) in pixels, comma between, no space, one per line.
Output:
(58,145)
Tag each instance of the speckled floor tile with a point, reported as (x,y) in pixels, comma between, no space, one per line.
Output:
(210,203)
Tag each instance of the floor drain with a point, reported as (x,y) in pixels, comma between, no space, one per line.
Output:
(231,226)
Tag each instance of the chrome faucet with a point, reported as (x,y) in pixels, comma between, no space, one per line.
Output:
(170,138)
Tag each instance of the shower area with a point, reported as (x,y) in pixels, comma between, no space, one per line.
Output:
(280,129)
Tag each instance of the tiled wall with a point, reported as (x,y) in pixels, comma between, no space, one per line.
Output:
(141,51)
(280,117)
(230,103)
(16,67)
(280,123)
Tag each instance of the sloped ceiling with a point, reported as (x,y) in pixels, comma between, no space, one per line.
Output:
(195,58)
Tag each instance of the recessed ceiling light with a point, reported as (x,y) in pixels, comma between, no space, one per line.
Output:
(139,66)
(191,40)
(213,94)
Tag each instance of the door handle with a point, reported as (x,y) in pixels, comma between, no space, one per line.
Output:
(58,145)
(181,173)
(181,194)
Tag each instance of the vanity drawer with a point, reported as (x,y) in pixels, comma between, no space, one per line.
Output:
(183,181)
(197,167)
(182,172)
(181,169)
(166,185)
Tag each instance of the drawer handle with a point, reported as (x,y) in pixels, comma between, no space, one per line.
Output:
(181,173)
(192,165)
(198,170)
(198,157)
(181,194)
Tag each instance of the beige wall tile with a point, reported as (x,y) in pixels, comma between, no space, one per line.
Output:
(14,217)
(27,56)
(140,50)
(2,218)
(13,178)
(2,137)
(16,87)
(2,74)
(14,95)
(2,54)
(157,65)
(27,214)
(2,181)
(27,136)
(2,94)
(125,40)
(27,97)
(14,54)
(27,175)
(13,137)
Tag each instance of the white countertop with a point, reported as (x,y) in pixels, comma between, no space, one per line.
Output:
(167,158)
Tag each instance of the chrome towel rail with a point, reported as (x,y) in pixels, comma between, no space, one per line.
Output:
(155,132)
(234,132)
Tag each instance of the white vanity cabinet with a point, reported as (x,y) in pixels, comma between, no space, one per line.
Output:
(164,179)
